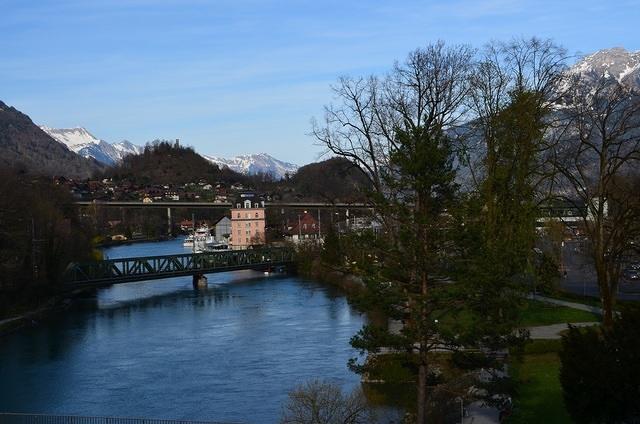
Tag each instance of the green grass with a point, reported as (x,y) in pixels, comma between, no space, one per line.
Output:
(539,313)
(537,347)
(588,300)
(539,396)
(575,298)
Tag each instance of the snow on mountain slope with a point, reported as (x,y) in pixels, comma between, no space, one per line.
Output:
(71,137)
(125,147)
(82,142)
(617,63)
(255,164)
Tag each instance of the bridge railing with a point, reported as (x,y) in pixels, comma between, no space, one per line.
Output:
(10,418)
(139,268)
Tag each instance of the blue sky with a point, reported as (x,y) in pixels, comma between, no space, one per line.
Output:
(246,76)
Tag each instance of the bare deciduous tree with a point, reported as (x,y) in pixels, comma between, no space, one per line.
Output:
(320,402)
(503,71)
(427,90)
(596,156)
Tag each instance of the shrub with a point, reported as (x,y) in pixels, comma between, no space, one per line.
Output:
(600,371)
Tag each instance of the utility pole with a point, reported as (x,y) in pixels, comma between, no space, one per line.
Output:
(35,251)
(319,234)
(193,232)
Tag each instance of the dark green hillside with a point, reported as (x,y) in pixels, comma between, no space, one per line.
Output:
(25,147)
(163,162)
(332,180)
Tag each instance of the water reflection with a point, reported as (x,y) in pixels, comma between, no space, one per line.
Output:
(161,349)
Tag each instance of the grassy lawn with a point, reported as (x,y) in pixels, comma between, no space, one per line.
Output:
(539,398)
(589,300)
(576,298)
(540,313)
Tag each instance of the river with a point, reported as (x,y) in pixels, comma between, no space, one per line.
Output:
(160,349)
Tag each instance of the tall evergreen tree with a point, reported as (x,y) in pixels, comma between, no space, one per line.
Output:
(420,189)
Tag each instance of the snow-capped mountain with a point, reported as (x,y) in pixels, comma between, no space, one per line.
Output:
(616,63)
(255,164)
(82,142)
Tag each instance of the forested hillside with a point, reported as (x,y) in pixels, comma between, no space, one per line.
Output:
(40,234)
(25,147)
(163,162)
(332,180)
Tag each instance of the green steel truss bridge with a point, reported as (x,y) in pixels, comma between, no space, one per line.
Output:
(124,270)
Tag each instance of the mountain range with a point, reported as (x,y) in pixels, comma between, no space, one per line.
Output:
(616,63)
(85,144)
(260,163)
(24,146)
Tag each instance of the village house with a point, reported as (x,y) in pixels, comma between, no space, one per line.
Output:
(305,227)
(222,229)
(358,224)
(247,222)
(186,225)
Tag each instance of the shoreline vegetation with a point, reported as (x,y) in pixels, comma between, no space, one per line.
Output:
(533,369)
(40,235)
(30,316)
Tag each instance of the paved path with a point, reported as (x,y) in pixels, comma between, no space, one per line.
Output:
(573,305)
(553,331)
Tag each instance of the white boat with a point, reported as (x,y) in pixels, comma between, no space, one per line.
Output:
(188,241)
(201,238)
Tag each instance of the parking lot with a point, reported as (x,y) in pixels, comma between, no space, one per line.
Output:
(581,277)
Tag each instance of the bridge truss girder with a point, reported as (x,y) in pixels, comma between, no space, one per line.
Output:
(113,271)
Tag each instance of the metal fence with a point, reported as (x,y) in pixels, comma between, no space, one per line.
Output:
(11,418)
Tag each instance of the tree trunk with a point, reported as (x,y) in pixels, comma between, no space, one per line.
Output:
(607,309)
(606,295)
(422,393)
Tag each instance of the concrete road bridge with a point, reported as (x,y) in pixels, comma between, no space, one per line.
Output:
(172,205)
(215,205)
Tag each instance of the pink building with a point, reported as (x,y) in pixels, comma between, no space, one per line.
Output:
(247,224)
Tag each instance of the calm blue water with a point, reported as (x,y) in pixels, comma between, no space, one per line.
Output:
(160,349)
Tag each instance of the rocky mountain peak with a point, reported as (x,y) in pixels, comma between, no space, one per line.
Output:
(617,63)
(260,163)
(82,142)
(23,145)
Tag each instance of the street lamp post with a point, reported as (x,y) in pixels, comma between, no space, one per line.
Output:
(459,397)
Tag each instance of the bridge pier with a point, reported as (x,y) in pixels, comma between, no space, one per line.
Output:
(169,222)
(199,281)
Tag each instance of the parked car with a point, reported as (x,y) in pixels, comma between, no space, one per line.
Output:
(631,274)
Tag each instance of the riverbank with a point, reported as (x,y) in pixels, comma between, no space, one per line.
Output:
(318,271)
(34,316)
(115,243)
